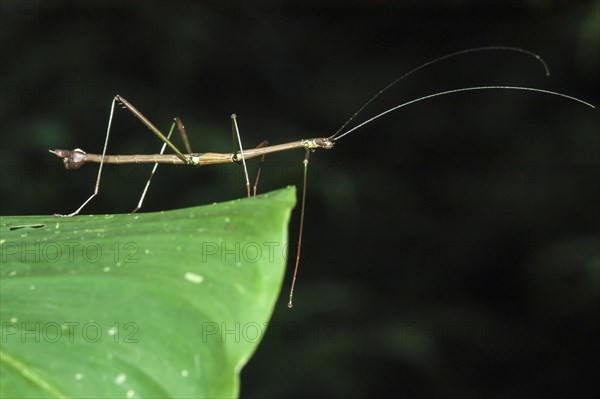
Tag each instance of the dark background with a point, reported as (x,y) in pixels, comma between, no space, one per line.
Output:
(450,249)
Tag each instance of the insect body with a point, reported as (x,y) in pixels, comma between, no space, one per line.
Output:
(76,158)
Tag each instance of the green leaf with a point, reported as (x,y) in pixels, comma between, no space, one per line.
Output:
(161,305)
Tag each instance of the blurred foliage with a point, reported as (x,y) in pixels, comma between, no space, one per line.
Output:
(451,249)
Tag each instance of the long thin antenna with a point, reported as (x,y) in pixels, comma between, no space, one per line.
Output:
(443,93)
(434,61)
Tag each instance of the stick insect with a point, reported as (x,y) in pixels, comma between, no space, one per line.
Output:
(76,158)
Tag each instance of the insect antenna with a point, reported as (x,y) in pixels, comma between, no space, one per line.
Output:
(454,91)
(434,61)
